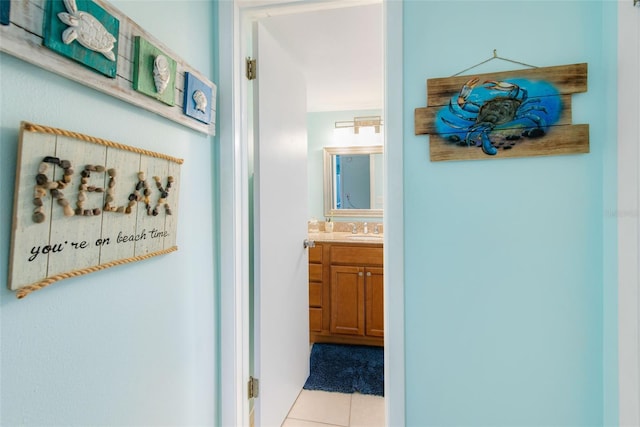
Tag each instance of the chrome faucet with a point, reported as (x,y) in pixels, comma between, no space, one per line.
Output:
(354,229)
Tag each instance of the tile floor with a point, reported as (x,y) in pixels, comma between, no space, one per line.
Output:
(324,409)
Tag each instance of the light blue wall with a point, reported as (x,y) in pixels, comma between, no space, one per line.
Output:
(505,263)
(133,344)
(610,224)
(321,133)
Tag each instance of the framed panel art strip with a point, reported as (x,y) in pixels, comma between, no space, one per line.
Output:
(84,204)
(94,44)
(506,114)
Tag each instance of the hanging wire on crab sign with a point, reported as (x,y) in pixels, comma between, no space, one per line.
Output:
(512,109)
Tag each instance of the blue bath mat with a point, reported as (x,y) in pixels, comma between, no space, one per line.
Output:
(346,369)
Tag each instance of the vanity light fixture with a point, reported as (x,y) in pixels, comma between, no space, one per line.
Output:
(359,122)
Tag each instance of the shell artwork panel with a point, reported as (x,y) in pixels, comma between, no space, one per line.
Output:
(83,31)
(153,71)
(197,98)
(200,100)
(161,73)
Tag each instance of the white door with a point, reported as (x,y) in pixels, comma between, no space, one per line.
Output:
(281,322)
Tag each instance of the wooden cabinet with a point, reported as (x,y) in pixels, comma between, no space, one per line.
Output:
(315,289)
(346,303)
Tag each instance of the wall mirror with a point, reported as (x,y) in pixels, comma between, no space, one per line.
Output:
(353,178)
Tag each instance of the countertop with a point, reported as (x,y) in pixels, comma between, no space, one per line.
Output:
(346,237)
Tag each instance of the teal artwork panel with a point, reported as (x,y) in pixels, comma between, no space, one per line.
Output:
(5,12)
(91,33)
(144,56)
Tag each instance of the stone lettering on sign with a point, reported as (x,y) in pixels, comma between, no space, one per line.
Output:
(85,204)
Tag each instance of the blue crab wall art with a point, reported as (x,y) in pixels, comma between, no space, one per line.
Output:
(506,114)
(496,114)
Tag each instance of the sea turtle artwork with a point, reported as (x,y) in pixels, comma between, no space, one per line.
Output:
(482,113)
(87,30)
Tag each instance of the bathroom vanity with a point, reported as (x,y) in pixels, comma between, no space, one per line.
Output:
(346,303)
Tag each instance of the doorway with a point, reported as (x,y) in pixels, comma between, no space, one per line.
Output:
(340,80)
(334,65)
(234,236)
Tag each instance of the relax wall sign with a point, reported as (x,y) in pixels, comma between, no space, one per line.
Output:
(83,204)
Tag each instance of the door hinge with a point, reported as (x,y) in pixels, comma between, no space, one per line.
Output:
(254,387)
(251,69)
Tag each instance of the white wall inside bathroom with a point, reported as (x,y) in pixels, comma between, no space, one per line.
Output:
(334,92)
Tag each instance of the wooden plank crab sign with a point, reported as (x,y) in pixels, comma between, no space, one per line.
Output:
(83,204)
(507,114)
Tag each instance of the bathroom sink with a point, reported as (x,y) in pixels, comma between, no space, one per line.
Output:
(366,238)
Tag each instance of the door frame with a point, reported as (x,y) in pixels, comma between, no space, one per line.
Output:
(233,191)
(628,214)
(234,216)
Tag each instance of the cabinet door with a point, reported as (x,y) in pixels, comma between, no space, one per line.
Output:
(315,319)
(347,300)
(374,301)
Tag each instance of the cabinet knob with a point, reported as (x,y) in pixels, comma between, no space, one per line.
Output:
(360,273)
(368,274)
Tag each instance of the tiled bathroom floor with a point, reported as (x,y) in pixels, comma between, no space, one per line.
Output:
(325,409)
